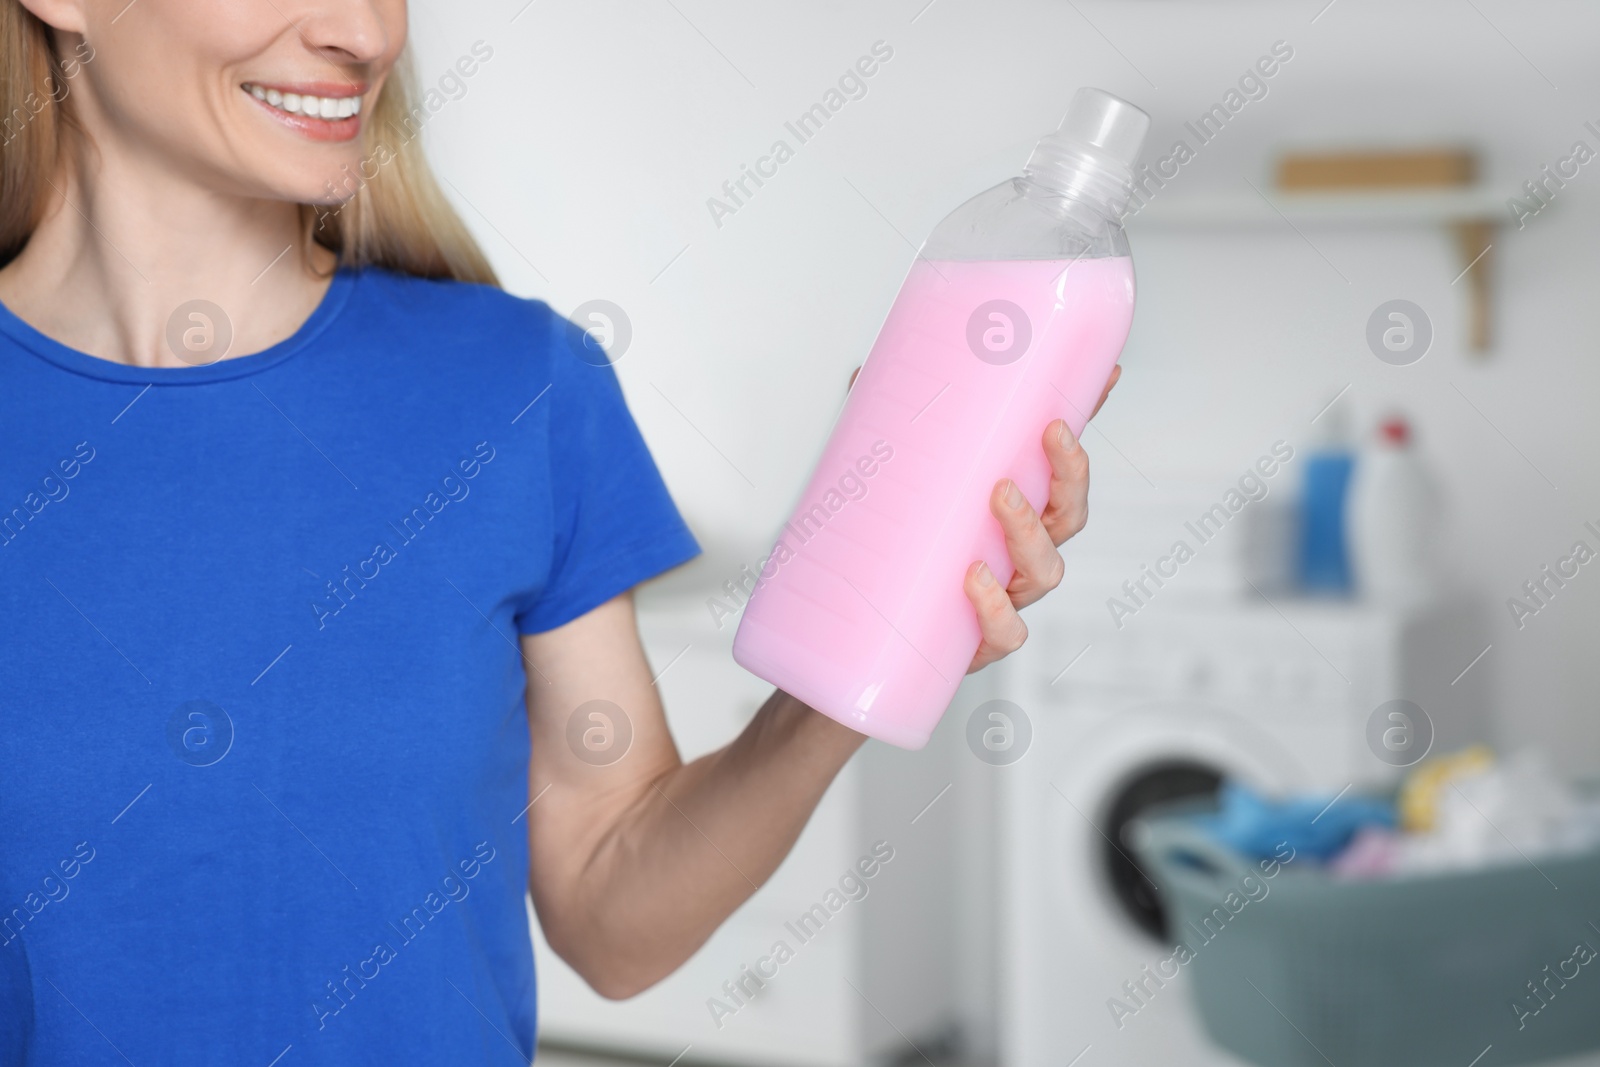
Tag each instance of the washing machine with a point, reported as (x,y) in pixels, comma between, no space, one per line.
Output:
(1278,695)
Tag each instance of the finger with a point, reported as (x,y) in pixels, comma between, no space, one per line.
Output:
(1111,383)
(857,373)
(1002,628)
(1068,507)
(1028,543)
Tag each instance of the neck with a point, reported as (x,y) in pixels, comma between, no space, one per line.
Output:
(125,241)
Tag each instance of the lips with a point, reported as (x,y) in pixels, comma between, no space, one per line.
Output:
(322,112)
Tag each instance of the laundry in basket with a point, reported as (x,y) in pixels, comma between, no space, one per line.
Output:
(1430,970)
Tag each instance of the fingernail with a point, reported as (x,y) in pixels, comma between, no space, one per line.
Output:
(1065,438)
(1013,496)
(985,576)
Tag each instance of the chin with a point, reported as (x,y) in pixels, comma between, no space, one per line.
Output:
(322,180)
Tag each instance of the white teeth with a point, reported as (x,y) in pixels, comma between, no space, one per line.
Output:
(324,107)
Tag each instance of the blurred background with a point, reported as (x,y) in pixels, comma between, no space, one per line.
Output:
(1379,261)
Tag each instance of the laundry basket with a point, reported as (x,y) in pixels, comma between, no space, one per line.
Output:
(1488,968)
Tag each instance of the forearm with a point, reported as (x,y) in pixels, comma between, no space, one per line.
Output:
(701,839)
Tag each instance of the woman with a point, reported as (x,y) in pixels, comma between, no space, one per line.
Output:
(313,541)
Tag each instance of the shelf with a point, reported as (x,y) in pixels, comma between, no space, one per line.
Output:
(1426,208)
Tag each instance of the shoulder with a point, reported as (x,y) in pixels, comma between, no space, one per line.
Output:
(466,325)
(445,306)
(451,335)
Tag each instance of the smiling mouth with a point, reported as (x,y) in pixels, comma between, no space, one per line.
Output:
(327,108)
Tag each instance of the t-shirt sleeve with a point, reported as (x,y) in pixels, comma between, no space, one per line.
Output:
(614,523)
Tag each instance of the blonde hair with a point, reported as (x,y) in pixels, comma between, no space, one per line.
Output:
(397,216)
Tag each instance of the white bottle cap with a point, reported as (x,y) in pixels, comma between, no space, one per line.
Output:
(1107,123)
(1091,154)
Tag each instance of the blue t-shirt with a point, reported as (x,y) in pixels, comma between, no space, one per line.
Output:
(263,745)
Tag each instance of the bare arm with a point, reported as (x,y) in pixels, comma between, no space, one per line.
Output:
(636,862)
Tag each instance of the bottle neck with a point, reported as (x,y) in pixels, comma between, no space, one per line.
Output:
(1071,169)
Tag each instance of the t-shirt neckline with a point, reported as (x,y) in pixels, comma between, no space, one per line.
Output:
(78,362)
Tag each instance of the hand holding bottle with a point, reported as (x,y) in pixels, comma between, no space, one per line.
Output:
(1032,541)
(1032,538)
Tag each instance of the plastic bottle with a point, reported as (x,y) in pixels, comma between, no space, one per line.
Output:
(1013,315)
(1324,551)
(1394,520)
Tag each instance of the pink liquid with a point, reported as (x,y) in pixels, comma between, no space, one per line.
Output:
(861,612)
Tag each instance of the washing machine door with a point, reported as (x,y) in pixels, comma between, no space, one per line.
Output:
(1130,763)
(1082,919)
